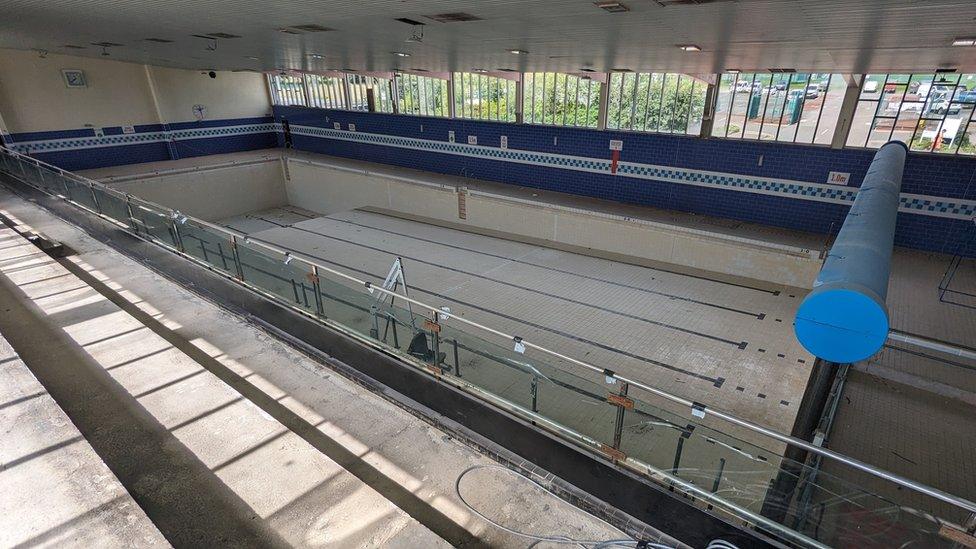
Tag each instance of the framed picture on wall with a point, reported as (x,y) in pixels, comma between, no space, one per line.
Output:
(74,78)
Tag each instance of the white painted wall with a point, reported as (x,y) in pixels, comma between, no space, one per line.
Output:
(230,95)
(33,96)
(328,190)
(212,194)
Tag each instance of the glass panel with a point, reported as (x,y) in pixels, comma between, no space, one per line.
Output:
(154,222)
(113,205)
(209,246)
(80,192)
(290,281)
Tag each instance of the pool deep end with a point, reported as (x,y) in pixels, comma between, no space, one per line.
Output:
(844,318)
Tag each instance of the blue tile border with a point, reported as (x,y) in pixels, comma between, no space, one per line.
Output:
(910,203)
(114,139)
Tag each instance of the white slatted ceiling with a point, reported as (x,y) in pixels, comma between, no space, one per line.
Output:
(562,35)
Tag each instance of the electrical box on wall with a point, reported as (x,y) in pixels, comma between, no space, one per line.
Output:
(616,145)
(472,140)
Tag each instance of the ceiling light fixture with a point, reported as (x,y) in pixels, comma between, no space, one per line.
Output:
(400,53)
(732,71)
(316,55)
(518,52)
(964,42)
(612,7)
(689,47)
(251,57)
(481,71)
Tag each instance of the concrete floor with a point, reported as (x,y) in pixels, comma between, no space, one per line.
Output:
(911,410)
(723,344)
(224,435)
(46,464)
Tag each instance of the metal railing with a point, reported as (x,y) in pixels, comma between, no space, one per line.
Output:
(171,229)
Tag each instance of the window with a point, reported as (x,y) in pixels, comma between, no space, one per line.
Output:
(359,87)
(325,92)
(422,95)
(656,102)
(484,97)
(560,99)
(287,89)
(929,112)
(786,107)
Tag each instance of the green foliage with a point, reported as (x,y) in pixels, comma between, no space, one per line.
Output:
(561,99)
(658,102)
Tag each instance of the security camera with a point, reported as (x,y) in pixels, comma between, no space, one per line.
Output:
(212,74)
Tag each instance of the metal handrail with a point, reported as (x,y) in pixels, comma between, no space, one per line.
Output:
(699,409)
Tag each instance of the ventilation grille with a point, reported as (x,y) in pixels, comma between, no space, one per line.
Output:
(455,17)
(223,35)
(782,70)
(666,3)
(311,28)
(74,47)
(158,40)
(106,44)
(409,21)
(612,7)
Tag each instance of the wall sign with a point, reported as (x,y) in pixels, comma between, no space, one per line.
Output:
(838,178)
(128,129)
(472,140)
(199,112)
(504,142)
(74,78)
(616,145)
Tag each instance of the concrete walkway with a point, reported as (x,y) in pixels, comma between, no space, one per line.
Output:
(224,435)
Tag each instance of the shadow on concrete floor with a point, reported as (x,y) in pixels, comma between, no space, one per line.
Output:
(186,500)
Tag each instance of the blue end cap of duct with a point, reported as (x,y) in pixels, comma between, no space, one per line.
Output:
(841,324)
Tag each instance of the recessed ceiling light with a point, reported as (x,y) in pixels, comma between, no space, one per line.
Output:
(964,42)
(518,52)
(251,57)
(400,53)
(733,71)
(689,47)
(316,55)
(479,70)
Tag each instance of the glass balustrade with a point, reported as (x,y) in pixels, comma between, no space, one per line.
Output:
(724,468)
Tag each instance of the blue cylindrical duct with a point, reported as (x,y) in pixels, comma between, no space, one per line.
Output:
(844,318)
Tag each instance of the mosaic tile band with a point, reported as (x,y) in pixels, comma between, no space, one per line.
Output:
(910,203)
(94,142)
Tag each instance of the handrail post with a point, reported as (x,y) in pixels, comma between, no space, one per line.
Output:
(237,257)
(317,288)
(618,427)
(98,206)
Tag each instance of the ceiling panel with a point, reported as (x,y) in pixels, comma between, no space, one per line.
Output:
(563,35)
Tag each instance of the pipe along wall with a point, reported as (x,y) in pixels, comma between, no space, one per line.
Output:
(844,319)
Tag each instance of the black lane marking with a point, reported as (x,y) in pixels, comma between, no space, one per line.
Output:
(716,381)
(737,344)
(930,357)
(760,316)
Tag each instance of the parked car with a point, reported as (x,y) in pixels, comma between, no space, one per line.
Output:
(813,91)
(943,106)
(966,96)
(780,86)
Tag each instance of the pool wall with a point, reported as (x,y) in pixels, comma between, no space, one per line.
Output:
(773,184)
